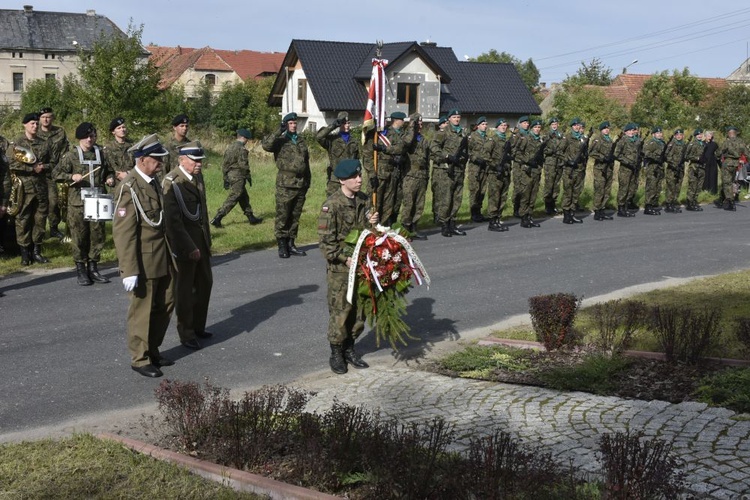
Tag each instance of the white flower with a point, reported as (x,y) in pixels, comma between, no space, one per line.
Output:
(394,275)
(396,257)
(386,254)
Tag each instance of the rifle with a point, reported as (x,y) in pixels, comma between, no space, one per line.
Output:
(583,152)
(538,159)
(461,152)
(504,158)
(610,159)
(639,159)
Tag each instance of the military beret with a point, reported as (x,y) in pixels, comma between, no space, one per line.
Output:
(603,125)
(442,120)
(629,126)
(575,121)
(30,117)
(453,112)
(499,122)
(481,119)
(180,119)
(731,127)
(398,115)
(148,146)
(289,117)
(536,122)
(116,123)
(192,149)
(85,130)
(415,117)
(554,120)
(45,110)
(243,132)
(698,131)
(679,131)
(524,118)
(343,116)
(656,129)
(347,168)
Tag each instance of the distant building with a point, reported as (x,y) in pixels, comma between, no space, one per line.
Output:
(626,87)
(38,44)
(741,75)
(189,67)
(318,79)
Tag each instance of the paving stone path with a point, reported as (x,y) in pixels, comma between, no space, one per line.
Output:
(714,447)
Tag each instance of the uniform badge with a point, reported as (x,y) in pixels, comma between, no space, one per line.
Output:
(121,212)
(325,210)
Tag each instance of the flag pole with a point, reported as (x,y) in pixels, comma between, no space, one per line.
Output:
(378,53)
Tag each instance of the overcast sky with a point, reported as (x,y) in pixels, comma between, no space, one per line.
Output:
(710,38)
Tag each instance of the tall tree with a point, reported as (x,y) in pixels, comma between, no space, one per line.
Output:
(593,73)
(527,69)
(729,106)
(669,100)
(588,103)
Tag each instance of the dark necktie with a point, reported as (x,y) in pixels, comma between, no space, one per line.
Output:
(155,185)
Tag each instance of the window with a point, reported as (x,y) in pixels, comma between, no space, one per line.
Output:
(210,79)
(302,93)
(17,82)
(50,76)
(408,93)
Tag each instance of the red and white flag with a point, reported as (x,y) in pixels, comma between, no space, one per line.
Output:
(375,111)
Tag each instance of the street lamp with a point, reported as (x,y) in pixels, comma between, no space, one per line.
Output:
(625,69)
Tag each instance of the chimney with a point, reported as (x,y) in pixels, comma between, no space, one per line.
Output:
(91,12)
(28,9)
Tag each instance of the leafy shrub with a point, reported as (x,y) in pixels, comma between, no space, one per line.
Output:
(685,334)
(616,323)
(638,469)
(728,388)
(482,360)
(595,374)
(742,332)
(552,317)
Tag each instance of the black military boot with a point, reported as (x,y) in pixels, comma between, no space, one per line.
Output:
(25,256)
(669,208)
(445,230)
(476,216)
(94,273)
(632,206)
(566,217)
(719,202)
(598,215)
(497,226)
(525,222)
(351,356)
(283,247)
(416,234)
(293,250)
(649,210)
(516,206)
(531,221)
(623,212)
(253,220)
(37,255)
(216,221)
(337,361)
(603,215)
(729,205)
(455,230)
(54,232)
(83,275)
(676,208)
(549,207)
(572,219)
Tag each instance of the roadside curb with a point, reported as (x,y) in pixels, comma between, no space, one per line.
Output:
(234,478)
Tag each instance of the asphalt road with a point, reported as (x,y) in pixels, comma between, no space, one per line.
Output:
(63,353)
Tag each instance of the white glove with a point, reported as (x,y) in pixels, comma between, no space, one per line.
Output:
(130,283)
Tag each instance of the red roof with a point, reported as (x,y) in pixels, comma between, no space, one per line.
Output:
(625,88)
(174,61)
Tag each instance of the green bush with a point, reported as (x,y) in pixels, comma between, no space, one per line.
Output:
(594,374)
(728,388)
(552,317)
(479,358)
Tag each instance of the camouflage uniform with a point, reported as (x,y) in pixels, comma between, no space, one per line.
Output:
(729,153)
(602,151)
(416,178)
(88,237)
(675,172)
(696,170)
(172,160)
(449,156)
(391,165)
(340,146)
(5,185)
(480,156)
(653,151)
(626,152)
(575,156)
(516,169)
(186,224)
(498,182)
(529,155)
(553,168)
(338,216)
(119,159)
(236,170)
(292,180)
(32,214)
(58,146)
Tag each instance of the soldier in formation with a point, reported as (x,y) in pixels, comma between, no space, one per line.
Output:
(236,172)
(498,181)
(529,154)
(553,166)
(337,140)
(449,153)
(180,128)
(729,154)
(117,150)
(674,156)
(575,155)
(628,154)
(653,154)
(391,149)
(58,146)
(695,156)
(416,176)
(602,151)
(480,156)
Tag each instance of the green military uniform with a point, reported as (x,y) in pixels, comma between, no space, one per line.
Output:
(119,158)
(442,122)
(292,182)
(340,146)
(529,153)
(88,236)
(675,172)
(696,170)
(32,214)
(627,153)
(391,165)
(480,146)
(575,155)
(653,153)
(516,171)
(186,218)
(730,152)
(416,177)
(173,146)
(139,234)
(553,168)
(602,151)
(498,182)
(236,171)
(5,187)
(58,146)
(449,155)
